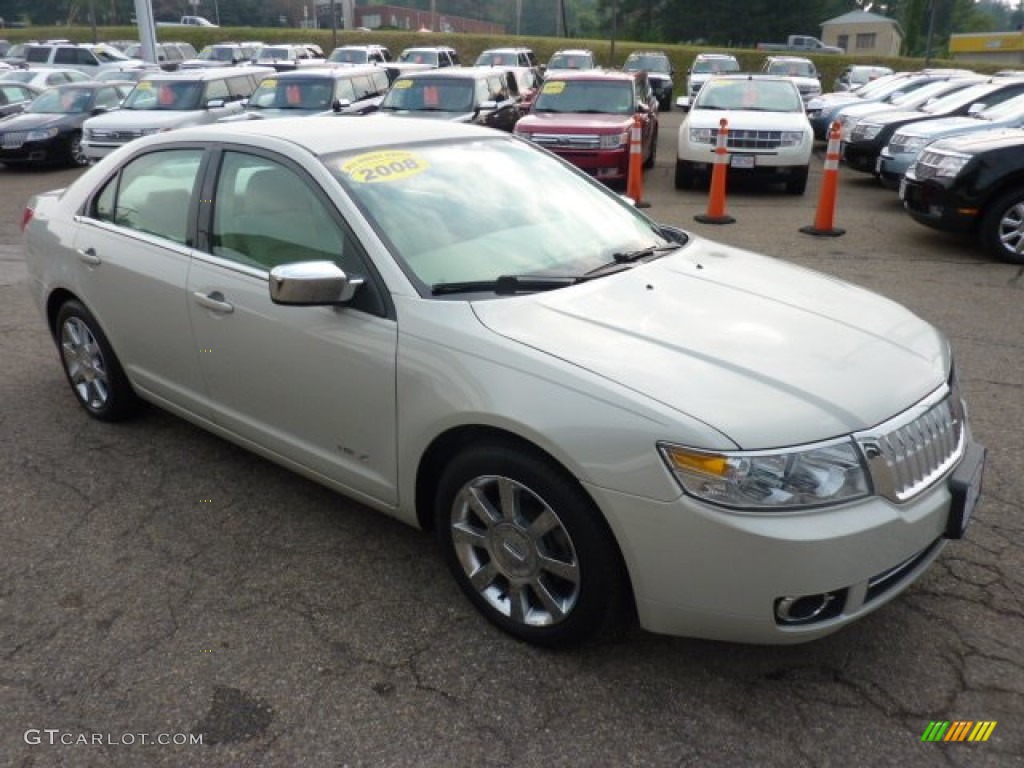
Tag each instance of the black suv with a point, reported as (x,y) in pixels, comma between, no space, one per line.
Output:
(975,184)
(658,67)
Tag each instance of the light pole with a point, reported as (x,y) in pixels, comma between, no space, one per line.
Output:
(931,29)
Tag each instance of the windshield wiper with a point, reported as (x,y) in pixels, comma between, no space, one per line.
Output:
(631,256)
(507,285)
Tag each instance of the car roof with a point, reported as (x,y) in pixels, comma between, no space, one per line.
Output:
(457,73)
(192,75)
(715,56)
(324,137)
(790,58)
(335,73)
(576,51)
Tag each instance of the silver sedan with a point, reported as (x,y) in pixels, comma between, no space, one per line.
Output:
(600,417)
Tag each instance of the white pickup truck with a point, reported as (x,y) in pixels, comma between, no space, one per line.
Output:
(188,21)
(800,43)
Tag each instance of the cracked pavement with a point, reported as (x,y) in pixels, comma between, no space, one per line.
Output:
(155,579)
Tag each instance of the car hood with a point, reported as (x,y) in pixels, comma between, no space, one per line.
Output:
(740,118)
(985,141)
(900,116)
(562,122)
(140,119)
(35,121)
(455,117)
(767,353)
(269,114)
(945,126)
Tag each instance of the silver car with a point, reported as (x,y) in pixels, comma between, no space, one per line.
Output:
(598,416)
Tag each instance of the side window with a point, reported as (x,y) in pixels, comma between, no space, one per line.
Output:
(103,204)
(266,214)
(363,87)
(380,82)
(239,87)
(155,193)
(216,89)
(38,54)
(343,90)
(65,56)
(107,97)
(83,56)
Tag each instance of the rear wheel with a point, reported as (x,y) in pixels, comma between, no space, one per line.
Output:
(91,367)
(1002,227)
(528,547)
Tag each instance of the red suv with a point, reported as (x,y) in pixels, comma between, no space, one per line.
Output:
(585,117)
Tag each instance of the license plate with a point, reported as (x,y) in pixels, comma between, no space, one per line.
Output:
(742,161)
(965,488)
(903,189)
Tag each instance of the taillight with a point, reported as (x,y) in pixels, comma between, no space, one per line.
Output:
(26,217)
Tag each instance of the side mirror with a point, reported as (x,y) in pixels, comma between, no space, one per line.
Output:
(98,110)
(339,104)
(489,104)
(312,283)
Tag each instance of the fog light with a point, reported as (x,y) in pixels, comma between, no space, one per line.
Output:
(807,609)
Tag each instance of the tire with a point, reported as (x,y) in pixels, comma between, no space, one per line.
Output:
(75,155)
(797,183)
(1002,227)
(685,177)
(649,161)
(91,367)
(528,547)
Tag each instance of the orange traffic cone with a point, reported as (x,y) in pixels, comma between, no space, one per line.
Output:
(716,201)
(822,226)
(635,178)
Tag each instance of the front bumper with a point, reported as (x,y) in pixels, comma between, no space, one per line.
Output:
(936,206)
(602,164)
(34,152)
(706,572)
(890,168)
(95,151)
(862,155)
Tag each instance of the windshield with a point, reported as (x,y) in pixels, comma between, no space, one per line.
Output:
(750,94)
(62,101)
(1011,108)
(648,64)
(586,96)
(497,59)
(430,94)
(419,57)
(164,95)
(709,66)
(21,75)
(959,98)
(921,94)
(571,61)
(216,53)
(293,94)
(792,69)
(348,56)
(474,210)
(272,54)
(108,55)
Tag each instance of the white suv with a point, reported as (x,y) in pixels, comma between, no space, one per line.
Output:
(704,66)
(164,101)
(800,70)
(769,135)
(89,59)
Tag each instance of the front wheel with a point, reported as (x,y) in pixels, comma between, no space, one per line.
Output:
(1002,227)
(528,547)
(797,183)
(685,177)
(91,368)
(75,154)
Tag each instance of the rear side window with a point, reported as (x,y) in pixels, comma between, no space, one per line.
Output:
(65,56)
(152,194)
(344,91)
(380,82)
(39,54)
(363,87)
(217,89)
(239,87)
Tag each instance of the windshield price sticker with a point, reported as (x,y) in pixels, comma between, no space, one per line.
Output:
(377,167)
(555,86)
(268,83)
(400,84)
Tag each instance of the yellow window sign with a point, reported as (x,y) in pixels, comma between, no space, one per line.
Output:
(268,83)
(400,84)
(385,166)
(555,86)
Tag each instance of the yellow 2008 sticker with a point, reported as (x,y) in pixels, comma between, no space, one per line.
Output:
(387,165)
(553,86)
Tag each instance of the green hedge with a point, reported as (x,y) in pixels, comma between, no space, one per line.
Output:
(469,46)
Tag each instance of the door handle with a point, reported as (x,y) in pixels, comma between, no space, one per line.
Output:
(213,301)
(88,256)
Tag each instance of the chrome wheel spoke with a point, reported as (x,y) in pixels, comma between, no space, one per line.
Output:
(545,523)
(518,603)
(483,577)
(568,571)
(474,498)
(508,499)
(466,534)
(554,606)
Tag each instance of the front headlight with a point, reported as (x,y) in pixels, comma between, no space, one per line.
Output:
(812,476)
(42,134)
(702,135)
(908,144)
(943,165)
(152,131)
(613,140)
(866,131)
(791,138)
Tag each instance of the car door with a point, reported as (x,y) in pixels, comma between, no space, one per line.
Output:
(133,245)
(315,385)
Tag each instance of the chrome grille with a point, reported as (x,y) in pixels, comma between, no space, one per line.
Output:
(899,141)
(567,141)
(115,135)
(13,140)
(746,139)
(927,165)
(911,452)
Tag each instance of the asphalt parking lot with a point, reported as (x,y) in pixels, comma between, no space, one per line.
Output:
(161,587)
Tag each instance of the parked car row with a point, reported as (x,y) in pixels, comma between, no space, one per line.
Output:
(950,141)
